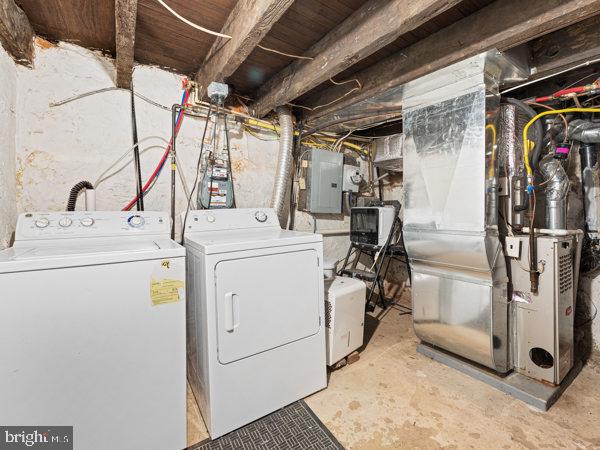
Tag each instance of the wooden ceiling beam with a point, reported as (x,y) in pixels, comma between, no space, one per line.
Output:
(16,33)
(503,24)
(373,26)
(566,48)
(125,22)
(247,24)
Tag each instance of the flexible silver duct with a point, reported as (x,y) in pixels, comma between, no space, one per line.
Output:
(284,163)
(590,179)
(584,131)
(557,190)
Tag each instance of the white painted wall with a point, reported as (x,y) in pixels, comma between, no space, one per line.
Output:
(61,145)
(8,92)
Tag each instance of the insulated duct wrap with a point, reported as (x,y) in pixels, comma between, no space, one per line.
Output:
(284,162)
(590,176)
(584,131)
(557,190)
(510,162)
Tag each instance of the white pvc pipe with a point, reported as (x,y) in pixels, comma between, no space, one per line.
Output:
(556,232)
(90,200)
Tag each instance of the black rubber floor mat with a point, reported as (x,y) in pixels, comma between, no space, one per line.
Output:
(292,427)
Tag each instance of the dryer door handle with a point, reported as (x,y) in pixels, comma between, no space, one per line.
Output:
(232,312)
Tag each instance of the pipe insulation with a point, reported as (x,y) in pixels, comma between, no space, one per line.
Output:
(284,162)
(557,190)
(584,131)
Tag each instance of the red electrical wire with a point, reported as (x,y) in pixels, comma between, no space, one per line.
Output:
(162,159)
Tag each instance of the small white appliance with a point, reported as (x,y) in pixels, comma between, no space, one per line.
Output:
(371,224)
(92,329)
(344,317)
(255,315)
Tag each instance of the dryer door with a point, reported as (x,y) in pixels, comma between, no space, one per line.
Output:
(265,302)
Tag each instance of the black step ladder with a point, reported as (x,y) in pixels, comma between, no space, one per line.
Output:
(381,255)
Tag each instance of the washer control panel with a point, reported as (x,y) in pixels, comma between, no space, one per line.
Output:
(50,225)
(230,219)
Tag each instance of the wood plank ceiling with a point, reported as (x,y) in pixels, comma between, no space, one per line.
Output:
(163,40)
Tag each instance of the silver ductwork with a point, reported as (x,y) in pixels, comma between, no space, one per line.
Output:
(450,212)
(557,191)
(590,178)
(284,163)
(584,131)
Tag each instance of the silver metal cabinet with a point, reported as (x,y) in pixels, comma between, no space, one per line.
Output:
(450,218)
(543,323)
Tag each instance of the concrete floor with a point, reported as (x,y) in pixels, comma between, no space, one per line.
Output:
(394,397)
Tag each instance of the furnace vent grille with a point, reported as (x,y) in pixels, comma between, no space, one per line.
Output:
(565,279)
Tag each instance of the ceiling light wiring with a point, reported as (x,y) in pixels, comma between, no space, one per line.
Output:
(337,83)
(225,36)
(190,23)
(283,53)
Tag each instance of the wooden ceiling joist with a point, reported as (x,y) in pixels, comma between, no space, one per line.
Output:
(373,26)
(568,47)
(503,24)
(16,34)
(125,21)
(247,25)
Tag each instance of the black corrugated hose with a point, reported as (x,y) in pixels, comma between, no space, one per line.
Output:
(75,190)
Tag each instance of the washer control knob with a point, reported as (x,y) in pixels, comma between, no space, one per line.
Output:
(42,222)
(136,221)
(210,218)
(87,221)
(65,222)
(261,216)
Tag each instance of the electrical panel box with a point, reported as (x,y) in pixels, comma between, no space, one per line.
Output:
(320,184)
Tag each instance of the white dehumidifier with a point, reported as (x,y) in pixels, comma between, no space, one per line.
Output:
(344,317)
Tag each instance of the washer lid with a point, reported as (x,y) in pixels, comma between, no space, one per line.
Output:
(41,255)
(248,239)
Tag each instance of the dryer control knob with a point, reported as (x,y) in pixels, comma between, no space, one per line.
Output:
(65,222)
(87,221)
(261,216)
(42,223)
(210,218)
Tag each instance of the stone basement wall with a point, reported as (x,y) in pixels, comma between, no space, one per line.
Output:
(57,146)
(8,94)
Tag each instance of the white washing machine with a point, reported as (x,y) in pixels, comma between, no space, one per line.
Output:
(92,329)
(255,315)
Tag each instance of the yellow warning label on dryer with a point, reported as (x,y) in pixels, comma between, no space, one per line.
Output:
(165,290)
